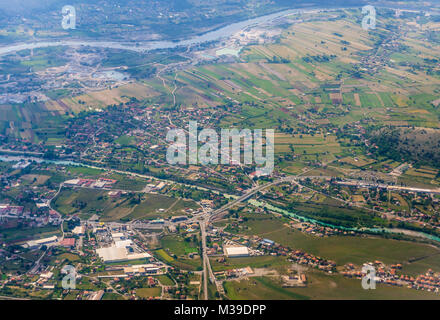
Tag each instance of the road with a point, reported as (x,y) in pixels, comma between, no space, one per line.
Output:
(37,263)
(205,258)
(219,213)
(208,217)
(208,275)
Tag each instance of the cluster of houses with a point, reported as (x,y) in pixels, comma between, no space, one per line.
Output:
(181,224)
(42,217)
(45,280)
(429,281)
(271,247)
(235,273)
(310,260)
(317,230)
(294,280)
(7,210)
(146,135)
(214,249)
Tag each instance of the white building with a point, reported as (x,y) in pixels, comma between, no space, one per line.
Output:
(233,252)
(115,254)
(117,236)
(79,230)
(141,268)
(39,242)
(73,182)
(123,243)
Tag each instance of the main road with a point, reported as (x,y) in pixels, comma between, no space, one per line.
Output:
(219,213)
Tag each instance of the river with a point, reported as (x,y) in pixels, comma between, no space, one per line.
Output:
(214,35)
(372,230)
(207,37)
(24,158)
(8,158)
(146,46)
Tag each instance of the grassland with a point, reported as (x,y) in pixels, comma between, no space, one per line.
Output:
(253,262)
(86,202)
(19,234)
(146,293)
(101,99)
(175,250)
(310,84)
(165,280)
(319,286)
(346,249)
(178,246)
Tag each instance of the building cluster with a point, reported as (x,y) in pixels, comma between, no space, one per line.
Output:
(317,230)
(235,273)
(236,247)
(122,249)
(391,275)
(181,223)
(7,210)
(42,216)
(310,260)
(294,280)
(236,251)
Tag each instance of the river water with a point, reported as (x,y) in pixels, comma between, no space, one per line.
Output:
(214,35)
(253,202)
(313,221)
(8,158)
(153,45)
(207,37)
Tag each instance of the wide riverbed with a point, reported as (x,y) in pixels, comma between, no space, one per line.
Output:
(214,35)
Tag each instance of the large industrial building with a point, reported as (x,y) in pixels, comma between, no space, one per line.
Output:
(119,254)
(233,252)
(46,241)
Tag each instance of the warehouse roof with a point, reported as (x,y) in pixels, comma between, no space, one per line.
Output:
(112,254)
(236,251)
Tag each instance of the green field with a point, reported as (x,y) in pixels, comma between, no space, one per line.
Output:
(87,202)
(347,249)
(253,262)
(319,286)
(176,245)
(22,234)
(146,293)
(165,280)
(175,251)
